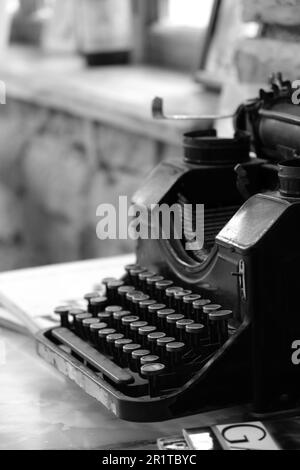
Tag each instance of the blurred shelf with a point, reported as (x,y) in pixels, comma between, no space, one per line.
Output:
(117,95)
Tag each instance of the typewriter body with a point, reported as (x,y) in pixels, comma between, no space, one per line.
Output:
(185,331)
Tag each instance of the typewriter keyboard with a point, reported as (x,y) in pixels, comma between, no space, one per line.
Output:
(143,335)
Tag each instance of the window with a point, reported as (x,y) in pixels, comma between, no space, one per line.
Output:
(189,13)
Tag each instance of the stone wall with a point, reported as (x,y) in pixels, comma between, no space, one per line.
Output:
(278,48)
(55,169)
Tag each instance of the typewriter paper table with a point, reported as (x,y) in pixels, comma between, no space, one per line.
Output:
(41,409)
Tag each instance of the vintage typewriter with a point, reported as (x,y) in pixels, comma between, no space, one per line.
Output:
(184,331)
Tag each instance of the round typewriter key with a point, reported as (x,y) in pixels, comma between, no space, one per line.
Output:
(105,317)
(127,352)
(102,335)
(94,328)
(151,372)
(88,297)
(152,339)
(111,310)
(63,312)
(181,327)
(195,333)
(219,325)
(175,351)
(126,322)
(110,340)
(73,312)
(112,290)
(107,280)
(162,345)
(136,300)
(98,304)
(119,344)
(117,318)
(151,281)
(122,292)
(178,297)
(207,309)
(198,305)
(144,331)
(153,311)
(144,305)
(170,293)
(78,322)
(188,303)
(86,324)
(134,276)
(171,322)
(129,297)
(143,279)
(128,267)
(162,316)
(134,329)
(161,287)
(137,355)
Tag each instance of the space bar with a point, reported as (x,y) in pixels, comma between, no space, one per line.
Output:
(99,361)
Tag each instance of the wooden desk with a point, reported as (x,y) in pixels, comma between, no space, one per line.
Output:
(40,409)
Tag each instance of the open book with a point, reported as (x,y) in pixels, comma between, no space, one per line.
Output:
(29,296)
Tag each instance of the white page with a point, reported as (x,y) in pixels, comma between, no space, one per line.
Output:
(32,294)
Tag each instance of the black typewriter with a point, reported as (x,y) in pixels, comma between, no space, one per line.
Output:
(185,331)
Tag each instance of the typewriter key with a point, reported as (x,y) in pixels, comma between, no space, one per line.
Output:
(63,312)
(175,351)
(127,353)
(119,344)
(126,322)
(111,310)
(144,331)
(107,280)
(122,292)
(207,309)
(134,276)
(171,323)
(136,300)
(137,355)
(152,339)
(219,326)
(143,306)
(181,327)
(102,335)
(117,318)
(134,329)
(143,279)
(170,293)
(162,345)
(188,303)
(105,317)
(129,297)
(110,341)
(98,304)
(88,298)
(152,372)
(195,333)
(162,316)
(86,324)
(153,312)
(129,267)
(198,305)
(160,287)
(78,319)
(94,329)
(178,297)
(112,290)
(151,281)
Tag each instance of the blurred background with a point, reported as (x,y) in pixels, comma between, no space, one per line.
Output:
(79,75)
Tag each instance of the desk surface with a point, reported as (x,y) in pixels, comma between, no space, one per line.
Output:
(40,409)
